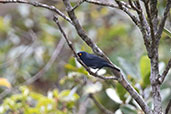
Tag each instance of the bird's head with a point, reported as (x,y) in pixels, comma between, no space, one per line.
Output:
(81,54)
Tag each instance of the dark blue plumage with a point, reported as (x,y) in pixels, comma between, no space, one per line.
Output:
(93,61)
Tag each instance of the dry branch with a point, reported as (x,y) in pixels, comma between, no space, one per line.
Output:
(37,4)
(163,20)
(77,57)
(94,47)
(100,106)
(40,73)
(165,72)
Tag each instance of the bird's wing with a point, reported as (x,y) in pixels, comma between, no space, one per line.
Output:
(94,57)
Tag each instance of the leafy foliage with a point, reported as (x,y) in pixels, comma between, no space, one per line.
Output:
(29,102)
(145,71)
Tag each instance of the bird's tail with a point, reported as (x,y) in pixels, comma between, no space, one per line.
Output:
(113,67)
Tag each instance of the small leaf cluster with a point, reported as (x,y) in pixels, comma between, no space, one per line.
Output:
(29,102)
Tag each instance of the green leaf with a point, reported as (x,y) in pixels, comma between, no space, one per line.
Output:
(36,96)
(72,61)
(73,68)
(55,93)
(145,68)
(70,67)
(128,109)
(121,92)
(165,30)
(4,25)
(82,70)
(31,110)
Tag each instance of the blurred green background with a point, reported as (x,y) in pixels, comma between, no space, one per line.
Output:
(28,39)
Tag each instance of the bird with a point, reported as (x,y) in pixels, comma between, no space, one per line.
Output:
(94,61)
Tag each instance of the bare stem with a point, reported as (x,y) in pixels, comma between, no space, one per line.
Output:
(78,4)
(83,34)
(96,49)
(150,20)
(100,106)
(164,74)
(37,4)
(133,6)
(40,73)
(144,27)
(163,20)
(168,107)
(153,14)
(77,57)
(123,8)
(102,3)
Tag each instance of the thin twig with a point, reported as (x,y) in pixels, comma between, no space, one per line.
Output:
(78,4)
(49,64)
(100,106)
(150,21)
(40,73)
(83,34)
(123,8)
(77,57)
(168,107)
(122,5)
(102,3)
(144,27)
(83,106)
(9,61)
(154,14)
(133,6)
(163,20)
(97,50)
(164,74)
(37,4)
(125,4)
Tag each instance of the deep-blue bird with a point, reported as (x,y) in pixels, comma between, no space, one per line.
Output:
(94,61)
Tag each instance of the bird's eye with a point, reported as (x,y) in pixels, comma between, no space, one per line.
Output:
(80,54)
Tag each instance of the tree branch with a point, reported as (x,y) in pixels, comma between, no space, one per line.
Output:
(37,4)
(83,34)
(122,7)
(135,95)
(102,3)
(77,57)
(152,50)
(40,73)
(154,14)
(78,4)
(168,107)
(94,47)
(133,6)
(83,106)
(163,20)
(146,3)
(124,4)
(164,74)
(145,29)
(100,106)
